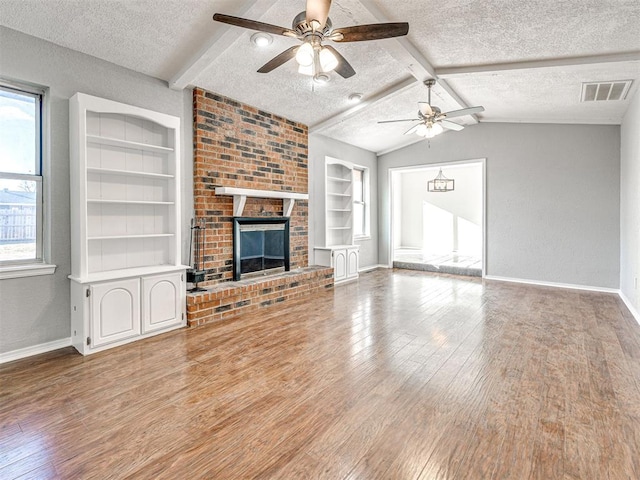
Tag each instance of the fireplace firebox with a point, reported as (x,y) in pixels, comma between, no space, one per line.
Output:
(260,244)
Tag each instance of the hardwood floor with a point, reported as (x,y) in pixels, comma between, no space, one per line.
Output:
(404,374)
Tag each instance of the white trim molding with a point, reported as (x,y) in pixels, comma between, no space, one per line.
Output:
(630,306)
(370,268)
(34,350)
(553,284)
(28,270)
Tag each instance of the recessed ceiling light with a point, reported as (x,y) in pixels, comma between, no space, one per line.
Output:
(321,78)
(355,97)
(261,39)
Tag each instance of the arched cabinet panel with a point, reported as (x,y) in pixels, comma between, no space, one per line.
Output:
(161,306)
(115,311)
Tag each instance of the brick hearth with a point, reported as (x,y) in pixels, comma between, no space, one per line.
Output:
(228,299)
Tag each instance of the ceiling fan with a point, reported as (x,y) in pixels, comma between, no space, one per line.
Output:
(312,27)
(431,120)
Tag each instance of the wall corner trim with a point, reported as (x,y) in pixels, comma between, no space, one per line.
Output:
(34,350)
(553,284)
(630,306)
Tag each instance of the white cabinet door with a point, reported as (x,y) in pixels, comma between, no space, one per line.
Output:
(161,302)
(339,264)
(352,262)
(115,311)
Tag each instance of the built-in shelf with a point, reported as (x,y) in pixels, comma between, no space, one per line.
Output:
(128,202)
(116,142)
(128,173)
(240,196)
(338,179)
(117,237)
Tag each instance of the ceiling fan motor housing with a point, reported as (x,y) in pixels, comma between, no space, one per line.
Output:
(303,28)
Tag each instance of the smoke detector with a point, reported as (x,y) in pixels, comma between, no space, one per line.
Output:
(605,91)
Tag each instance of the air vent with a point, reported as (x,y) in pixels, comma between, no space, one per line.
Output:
(605,91)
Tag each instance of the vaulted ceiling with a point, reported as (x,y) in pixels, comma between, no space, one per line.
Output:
(523,60)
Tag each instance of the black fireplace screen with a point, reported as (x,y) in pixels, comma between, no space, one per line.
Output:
(259,244)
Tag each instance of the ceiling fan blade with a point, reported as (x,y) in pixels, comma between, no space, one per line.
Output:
(425,109)
(451,125)
(254,25)
(278,60)
(318,11)
(375,31)
(413,129)
(403,120)
(464,111)
(344,68)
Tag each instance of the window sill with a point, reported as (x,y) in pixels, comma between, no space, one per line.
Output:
(361,237)
(30,270)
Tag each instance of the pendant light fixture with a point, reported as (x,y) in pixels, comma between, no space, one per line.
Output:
(441,184)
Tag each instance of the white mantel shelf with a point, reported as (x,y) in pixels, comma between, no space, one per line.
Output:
(240,198)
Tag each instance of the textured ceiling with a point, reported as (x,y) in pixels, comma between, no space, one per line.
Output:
(523,60)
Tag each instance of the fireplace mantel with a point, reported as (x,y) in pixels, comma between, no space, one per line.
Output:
(240,197)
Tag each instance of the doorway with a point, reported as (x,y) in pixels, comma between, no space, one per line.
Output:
(441,231)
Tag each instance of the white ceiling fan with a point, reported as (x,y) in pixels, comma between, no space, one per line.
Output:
(312,27)
(431,121)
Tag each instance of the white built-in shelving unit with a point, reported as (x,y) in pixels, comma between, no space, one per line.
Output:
(127,280)
(339,250)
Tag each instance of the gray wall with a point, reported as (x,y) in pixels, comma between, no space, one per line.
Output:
(553,198)
(319,148)
(35,310)
(630,203)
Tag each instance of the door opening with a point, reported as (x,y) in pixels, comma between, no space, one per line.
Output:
(439,231)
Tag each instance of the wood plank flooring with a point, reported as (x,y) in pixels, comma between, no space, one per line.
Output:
(402,375)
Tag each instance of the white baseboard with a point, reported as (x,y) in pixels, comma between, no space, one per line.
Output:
(34,350)
(630,306)
(552,284)
(372,267)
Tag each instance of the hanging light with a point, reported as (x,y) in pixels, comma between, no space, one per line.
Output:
(441,183)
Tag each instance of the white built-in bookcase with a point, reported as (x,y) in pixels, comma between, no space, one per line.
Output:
(339,250)
(339,202)
(125,197)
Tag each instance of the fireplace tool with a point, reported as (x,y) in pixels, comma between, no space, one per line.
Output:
(196,273)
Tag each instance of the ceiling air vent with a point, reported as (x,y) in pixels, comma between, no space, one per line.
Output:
(605,91)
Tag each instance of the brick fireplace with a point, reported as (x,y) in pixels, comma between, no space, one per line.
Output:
(239,146)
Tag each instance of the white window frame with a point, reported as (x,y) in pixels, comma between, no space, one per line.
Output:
(37,265)
(366,199)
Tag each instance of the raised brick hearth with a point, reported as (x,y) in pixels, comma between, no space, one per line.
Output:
(239,146)
(228,299)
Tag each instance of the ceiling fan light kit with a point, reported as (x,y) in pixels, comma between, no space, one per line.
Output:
(311,27)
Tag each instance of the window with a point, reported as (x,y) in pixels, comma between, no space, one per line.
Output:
(21,186)
(360,202)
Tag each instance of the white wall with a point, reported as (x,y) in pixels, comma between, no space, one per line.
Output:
(630,203)
(35,310)
(319,148)
(553,198)
(464,201)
